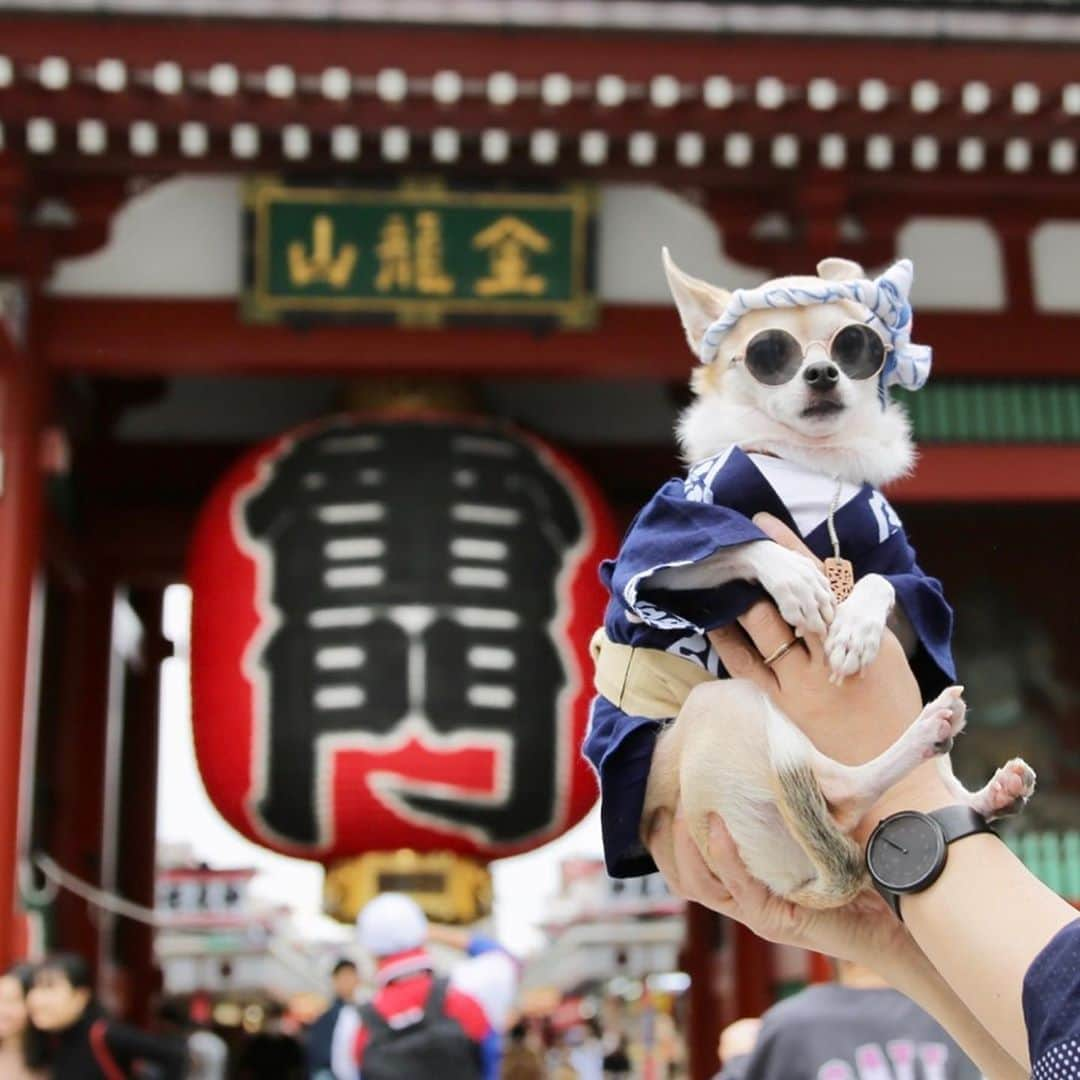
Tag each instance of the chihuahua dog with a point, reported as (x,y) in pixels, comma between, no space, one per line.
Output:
(792,416)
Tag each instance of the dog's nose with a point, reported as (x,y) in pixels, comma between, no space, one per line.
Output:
(821,375)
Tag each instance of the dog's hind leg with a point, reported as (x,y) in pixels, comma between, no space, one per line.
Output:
(822,800)
(851,790)
(1006,794)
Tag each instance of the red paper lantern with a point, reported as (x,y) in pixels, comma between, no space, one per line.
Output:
(390,638)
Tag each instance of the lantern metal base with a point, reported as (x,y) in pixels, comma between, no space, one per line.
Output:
(450,888)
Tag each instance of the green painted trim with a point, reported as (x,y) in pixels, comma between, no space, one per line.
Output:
(1054,858)
(995,412)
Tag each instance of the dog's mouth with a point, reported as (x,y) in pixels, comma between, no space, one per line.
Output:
(822,407)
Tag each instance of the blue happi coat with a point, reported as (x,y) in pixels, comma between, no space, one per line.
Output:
(688,520)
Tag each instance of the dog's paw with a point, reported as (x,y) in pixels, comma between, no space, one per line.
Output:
(856,633)
(941,721)
(798,587)
(1009,790)
(853,641)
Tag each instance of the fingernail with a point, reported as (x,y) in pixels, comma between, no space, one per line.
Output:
(716,828)
(657,820)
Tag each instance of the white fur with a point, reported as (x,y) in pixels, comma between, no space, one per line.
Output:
(730,748)
(855,634)
(874,449)
(796,583)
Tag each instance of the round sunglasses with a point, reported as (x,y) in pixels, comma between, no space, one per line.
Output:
(774,357)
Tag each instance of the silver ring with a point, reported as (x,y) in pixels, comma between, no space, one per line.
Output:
(770,660)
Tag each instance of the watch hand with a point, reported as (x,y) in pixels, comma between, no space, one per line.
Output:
(895,845)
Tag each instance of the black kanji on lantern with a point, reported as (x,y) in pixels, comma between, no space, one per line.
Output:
(410,572)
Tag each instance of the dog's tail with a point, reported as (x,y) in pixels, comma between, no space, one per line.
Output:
(841,875)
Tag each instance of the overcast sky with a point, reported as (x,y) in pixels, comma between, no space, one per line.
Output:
(523,884)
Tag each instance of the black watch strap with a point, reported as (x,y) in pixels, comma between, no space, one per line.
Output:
(959,821)
(956,822)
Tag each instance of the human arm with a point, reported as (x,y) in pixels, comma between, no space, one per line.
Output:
(864,932)
(982,948)
(982,924)
(887,699)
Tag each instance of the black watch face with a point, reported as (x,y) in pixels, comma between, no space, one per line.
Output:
(906,852)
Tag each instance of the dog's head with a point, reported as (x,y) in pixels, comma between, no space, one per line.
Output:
(821,415)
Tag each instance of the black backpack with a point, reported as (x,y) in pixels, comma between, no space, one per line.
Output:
(419,1045)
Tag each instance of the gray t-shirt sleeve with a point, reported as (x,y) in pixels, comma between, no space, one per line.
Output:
(734,1068)
(833,1032)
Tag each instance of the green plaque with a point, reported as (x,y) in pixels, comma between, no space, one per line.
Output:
(419,253)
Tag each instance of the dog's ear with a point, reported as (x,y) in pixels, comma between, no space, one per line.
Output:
(835,269)
(699,303)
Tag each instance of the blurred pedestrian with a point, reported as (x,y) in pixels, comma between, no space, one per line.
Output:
(737,1042)
(521,1060)
(208,1053)
(614,1039)
(22,1046)
(271,1053)
(418,1024)
(345,981)
(586,1050)
(88,1044)
(858,1026)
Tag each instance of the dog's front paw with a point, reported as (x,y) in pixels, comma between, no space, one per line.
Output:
(798,587)
(856,632)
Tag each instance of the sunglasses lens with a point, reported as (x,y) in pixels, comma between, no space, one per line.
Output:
(858,352)
(773,357)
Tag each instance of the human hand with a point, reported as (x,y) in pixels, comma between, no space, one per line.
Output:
(851,722)
(864,931)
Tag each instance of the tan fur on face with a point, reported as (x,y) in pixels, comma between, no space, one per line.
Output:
(862,443)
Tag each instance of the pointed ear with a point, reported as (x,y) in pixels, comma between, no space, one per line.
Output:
(699,303)
(839,270)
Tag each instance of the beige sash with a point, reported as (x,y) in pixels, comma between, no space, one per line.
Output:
(643,682)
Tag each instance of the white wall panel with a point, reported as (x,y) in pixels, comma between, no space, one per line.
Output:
(182,238)
(958,264)
(1056,255)
(178,238)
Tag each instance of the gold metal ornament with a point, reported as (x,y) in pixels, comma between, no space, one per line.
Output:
(450,888)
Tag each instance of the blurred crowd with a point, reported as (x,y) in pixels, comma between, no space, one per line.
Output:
(418,1023)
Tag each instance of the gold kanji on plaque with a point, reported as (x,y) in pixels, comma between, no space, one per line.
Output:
(510,243)
(431,278)
(322,265)
(411,259)
(394,252)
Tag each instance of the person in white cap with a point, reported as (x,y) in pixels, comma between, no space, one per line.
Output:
(418,1024)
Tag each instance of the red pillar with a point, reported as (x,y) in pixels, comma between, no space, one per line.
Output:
(730,971)
(21,414)
(753,972)
(71,766)
(707,1013)
(138,806)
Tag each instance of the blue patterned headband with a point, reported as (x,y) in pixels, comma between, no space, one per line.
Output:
(887,306)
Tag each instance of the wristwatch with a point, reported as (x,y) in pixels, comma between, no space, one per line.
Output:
(907,851)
